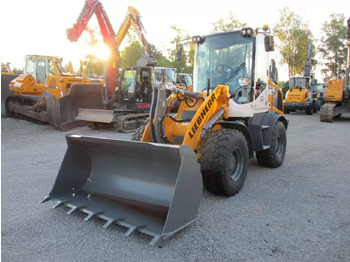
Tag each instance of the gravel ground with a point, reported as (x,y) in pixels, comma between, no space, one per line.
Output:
(298,212)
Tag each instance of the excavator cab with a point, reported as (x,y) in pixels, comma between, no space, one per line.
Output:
(135,88)
(39,67)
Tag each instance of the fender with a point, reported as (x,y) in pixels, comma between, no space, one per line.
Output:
(237,125)
(259,127)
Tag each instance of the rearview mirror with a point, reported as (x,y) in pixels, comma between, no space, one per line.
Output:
(269,43)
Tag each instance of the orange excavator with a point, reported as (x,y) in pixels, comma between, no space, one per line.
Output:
(124,111)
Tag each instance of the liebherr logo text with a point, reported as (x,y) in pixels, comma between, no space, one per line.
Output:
(202,115)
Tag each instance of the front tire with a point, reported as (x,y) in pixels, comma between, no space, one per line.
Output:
(224,162)
(274,156)
(315,107)
(309,110)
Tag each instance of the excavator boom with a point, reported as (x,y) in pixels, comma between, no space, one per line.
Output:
(112,40)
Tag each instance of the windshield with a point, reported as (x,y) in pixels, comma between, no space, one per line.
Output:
(166,75)
(128,82)
(30,64)
(184,79)
(317,87)
(223,58)
(298,83)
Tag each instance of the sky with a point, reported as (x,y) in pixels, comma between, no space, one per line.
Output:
(39,26)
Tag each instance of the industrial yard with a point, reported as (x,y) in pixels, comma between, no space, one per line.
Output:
(298,212)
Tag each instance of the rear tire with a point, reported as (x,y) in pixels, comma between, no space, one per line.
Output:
(224,162)
(274,156)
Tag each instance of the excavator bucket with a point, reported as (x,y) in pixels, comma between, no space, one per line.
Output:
(152,188)
(65,113)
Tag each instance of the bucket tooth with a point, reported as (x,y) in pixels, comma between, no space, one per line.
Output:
(154,240)
(132,229)
(111,221)
(47,198)
(60,203)
(92,214)
(74,208)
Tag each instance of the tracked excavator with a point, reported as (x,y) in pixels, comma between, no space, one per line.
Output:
(125,113)
(300,96)
(337,96)
(7,76)
(41,73)
(154,186)
(129,106)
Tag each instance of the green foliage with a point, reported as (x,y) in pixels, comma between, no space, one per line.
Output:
(94,65)
(230,23)
(131,54)
(162,61)
(295,36)
(185,64)
(332,47)
(284,85)
(17,71)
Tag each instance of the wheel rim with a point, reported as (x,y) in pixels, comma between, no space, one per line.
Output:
(279,145)
(236,164)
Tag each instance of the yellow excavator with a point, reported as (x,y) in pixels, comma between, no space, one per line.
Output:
(154,186)
(40,73)
(337,96)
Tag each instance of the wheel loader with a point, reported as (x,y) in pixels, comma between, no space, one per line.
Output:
(300,96)
(154,186)
(337,96)
(41,73)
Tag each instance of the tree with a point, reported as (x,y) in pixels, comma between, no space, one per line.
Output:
(295,36)
(94,65)
(332,48)
(162,61)
(231,23)
(131,54)
(185,64)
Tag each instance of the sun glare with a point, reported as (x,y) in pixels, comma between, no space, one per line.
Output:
(102,51)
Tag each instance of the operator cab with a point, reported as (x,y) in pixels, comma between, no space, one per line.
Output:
(229,58)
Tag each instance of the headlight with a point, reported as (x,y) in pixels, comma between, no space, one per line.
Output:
(198,39)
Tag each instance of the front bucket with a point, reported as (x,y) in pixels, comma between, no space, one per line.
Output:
(151,188)
(62,112)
